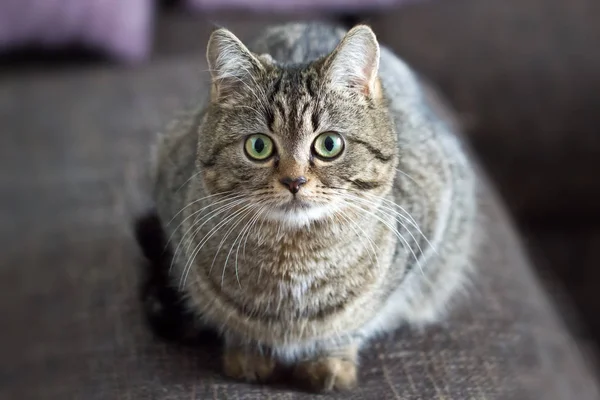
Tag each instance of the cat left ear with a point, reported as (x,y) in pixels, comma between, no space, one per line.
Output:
(231,64)
(355,62)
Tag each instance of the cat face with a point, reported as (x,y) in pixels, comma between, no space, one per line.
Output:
(299,142)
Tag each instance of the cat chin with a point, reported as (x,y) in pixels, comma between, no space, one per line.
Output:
(301,217)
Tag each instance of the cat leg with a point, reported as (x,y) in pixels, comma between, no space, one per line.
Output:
(334,369)
(246,362)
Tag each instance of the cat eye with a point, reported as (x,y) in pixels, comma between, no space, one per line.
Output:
(328,145)
(259,147)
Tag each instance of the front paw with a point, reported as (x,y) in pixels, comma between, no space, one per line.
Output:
(247,365)
(327,374)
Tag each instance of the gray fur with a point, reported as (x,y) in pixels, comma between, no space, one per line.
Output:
(313,287)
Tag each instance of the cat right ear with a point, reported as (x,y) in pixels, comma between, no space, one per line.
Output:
(354,63)
(231,64)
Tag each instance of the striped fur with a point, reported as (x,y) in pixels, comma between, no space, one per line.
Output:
(313,282)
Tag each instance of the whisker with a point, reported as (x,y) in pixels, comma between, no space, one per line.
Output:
(410,220)
(242,213)
(409,177)
(237,240)
(408,217)
(224,238)
(202,242)
(194,202)
(364,234)
(393,230)
(228,198)
(189,180)
(252,224)
(368,203)
(210,215)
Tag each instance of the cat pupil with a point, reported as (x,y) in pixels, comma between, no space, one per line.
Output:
(329,143)
(259,145)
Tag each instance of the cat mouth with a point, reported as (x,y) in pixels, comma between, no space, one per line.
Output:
(299,213)
(295,205)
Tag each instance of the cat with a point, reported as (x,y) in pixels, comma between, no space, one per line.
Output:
(312,201)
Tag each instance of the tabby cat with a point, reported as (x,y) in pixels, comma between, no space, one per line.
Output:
(313,200)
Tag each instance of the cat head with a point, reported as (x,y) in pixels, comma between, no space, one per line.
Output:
(298,141)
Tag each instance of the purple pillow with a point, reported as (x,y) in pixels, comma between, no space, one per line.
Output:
(294,5)
(119,27)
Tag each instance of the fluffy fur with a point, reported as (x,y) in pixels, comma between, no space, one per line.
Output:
(376,237)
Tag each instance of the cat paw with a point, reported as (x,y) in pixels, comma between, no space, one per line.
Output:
(248,366)
(327,374)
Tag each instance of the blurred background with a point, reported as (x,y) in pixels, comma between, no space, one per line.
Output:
(522,75)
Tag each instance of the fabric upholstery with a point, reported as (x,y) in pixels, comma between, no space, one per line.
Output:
(119,28)
(73,167)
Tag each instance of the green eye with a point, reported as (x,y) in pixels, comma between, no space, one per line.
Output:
(328,145)
(259,147)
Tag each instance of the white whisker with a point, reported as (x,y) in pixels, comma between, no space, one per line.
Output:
(393,230)
(370,203)
(194,202)
(189,180)
(364,234)
(241,214)
(202,242)
(237,240)
(228,198)
(209,216)
(409,177)
(250,227)
(409,219)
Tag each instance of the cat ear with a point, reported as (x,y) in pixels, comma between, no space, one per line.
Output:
(355,61)
(231,64)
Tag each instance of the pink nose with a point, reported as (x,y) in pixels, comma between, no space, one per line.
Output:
(293,184)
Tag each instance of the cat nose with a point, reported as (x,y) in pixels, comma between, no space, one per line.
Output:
(293,184)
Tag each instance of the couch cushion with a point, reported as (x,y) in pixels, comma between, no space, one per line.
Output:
(73,166)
